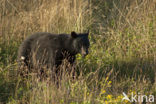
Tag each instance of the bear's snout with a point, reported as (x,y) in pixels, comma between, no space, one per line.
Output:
(84,51)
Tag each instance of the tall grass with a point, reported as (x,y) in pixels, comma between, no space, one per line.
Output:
(122,54)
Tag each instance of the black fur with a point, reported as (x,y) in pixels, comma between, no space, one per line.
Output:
(46,49)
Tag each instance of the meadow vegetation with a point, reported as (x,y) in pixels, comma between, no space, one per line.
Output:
(122,55)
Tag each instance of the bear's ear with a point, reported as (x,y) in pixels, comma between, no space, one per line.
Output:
(74,34)
(87,32)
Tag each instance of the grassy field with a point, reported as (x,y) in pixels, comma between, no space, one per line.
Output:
(122,55)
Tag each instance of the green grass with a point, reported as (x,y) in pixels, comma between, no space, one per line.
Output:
(122,55)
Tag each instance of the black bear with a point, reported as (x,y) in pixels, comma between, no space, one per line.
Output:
(46,49)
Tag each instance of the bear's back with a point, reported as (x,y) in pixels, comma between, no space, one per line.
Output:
(25,47)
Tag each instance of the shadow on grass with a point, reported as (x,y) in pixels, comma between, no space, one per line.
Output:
(7,87)
(11,87)
(136,68)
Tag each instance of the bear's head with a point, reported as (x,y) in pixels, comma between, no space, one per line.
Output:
(80,43)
